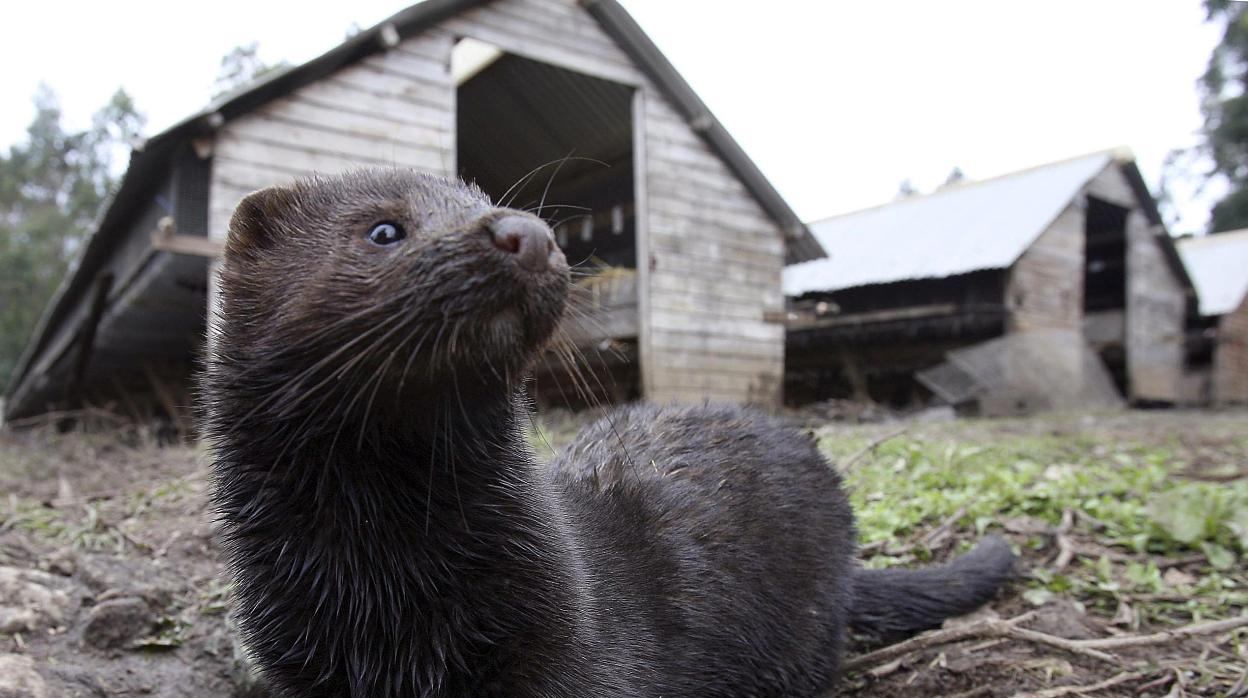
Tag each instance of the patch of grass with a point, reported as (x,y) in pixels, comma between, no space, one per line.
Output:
(1132,513)
(1128,489)
(170,633)
(214,597)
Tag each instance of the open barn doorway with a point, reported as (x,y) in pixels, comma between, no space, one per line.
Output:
(560,143)
(1105,286)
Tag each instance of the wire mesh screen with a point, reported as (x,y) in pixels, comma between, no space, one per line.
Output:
(1025,372)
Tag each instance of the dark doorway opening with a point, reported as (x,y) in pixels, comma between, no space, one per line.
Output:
(1105,286)
(560,144)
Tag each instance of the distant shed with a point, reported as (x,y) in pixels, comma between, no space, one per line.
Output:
(693,235)
(1218,265)
(1074,246)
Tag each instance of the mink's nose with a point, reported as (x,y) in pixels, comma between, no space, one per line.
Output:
(529,239)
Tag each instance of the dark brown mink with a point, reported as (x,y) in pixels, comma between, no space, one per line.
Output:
(390,531)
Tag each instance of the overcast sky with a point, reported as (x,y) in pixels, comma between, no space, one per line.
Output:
(837,102)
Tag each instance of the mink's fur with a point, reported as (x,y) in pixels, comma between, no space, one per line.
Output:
(391,533)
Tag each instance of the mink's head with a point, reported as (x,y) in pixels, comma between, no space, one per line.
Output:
(380,284)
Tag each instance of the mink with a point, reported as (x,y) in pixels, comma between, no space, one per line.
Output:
(391,532)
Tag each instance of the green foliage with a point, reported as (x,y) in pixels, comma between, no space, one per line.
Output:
(1195,513)
(51,187)
(1224,103)
(242,66)
(910,484)
(1142,513)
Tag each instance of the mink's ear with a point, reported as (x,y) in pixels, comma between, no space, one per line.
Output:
(256,219)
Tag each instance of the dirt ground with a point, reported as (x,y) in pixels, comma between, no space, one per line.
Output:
(110,583)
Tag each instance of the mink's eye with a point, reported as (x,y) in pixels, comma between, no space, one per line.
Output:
(386,234)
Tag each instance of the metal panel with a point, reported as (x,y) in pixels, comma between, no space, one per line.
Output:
(1217,265)
(960,229)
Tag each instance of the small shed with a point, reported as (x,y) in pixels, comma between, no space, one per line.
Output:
(1218,265)
(655,192)
(1075,246)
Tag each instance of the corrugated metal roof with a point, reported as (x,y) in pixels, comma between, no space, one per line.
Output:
(1218,265)
(960,229)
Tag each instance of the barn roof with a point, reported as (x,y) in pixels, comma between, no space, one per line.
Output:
(962,228)
(615,21)
(1217,266)
(151,159)
(959,229)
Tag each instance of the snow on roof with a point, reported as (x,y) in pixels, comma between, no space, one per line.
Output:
(959,229)
(1218,265)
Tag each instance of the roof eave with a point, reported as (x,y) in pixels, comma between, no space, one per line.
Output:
(801,244)
(1145,197)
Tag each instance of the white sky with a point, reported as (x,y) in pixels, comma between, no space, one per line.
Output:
(837,102)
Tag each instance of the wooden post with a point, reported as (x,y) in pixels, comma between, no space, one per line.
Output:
(642,225)
(99,295)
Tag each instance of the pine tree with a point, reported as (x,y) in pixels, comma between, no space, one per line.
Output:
(52,186)
(1224,104)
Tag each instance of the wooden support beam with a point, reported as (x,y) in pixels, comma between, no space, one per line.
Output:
(165,239)
(99,296)
(799,320)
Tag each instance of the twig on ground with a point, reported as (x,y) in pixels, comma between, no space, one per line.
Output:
(1180,561)
(1212,477)
(929,540)
(1165,680)
(976,630)
(847,463)
(1091,520)
(941,532)
(974,692)
(1193,630)
(996,628)
(1060,691)
(1241,686)
(1065,549)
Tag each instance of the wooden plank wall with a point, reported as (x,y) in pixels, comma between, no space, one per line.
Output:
(1045,290)
(715,258)
(1156,314)
(709,258)
(1230,358)
(714,281)
(396,108)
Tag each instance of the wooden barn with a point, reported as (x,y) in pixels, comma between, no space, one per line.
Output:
(689,235)
(1218,265)
(1075,246)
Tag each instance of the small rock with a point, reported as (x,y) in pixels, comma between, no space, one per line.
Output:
(74,680)
(1065,619)
(101,573)
(111,578)
(116,623)
(63,562)
(29,600)
(18,678)
(1175,577)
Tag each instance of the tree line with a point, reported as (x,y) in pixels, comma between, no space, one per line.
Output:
(53,185)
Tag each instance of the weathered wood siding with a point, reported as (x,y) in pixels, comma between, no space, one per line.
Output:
(710,259)
(396,108)
(714,280)
(1230,358)
(1045,290)
(1156,307)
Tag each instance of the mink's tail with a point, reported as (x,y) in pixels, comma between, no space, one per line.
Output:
(892,604)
